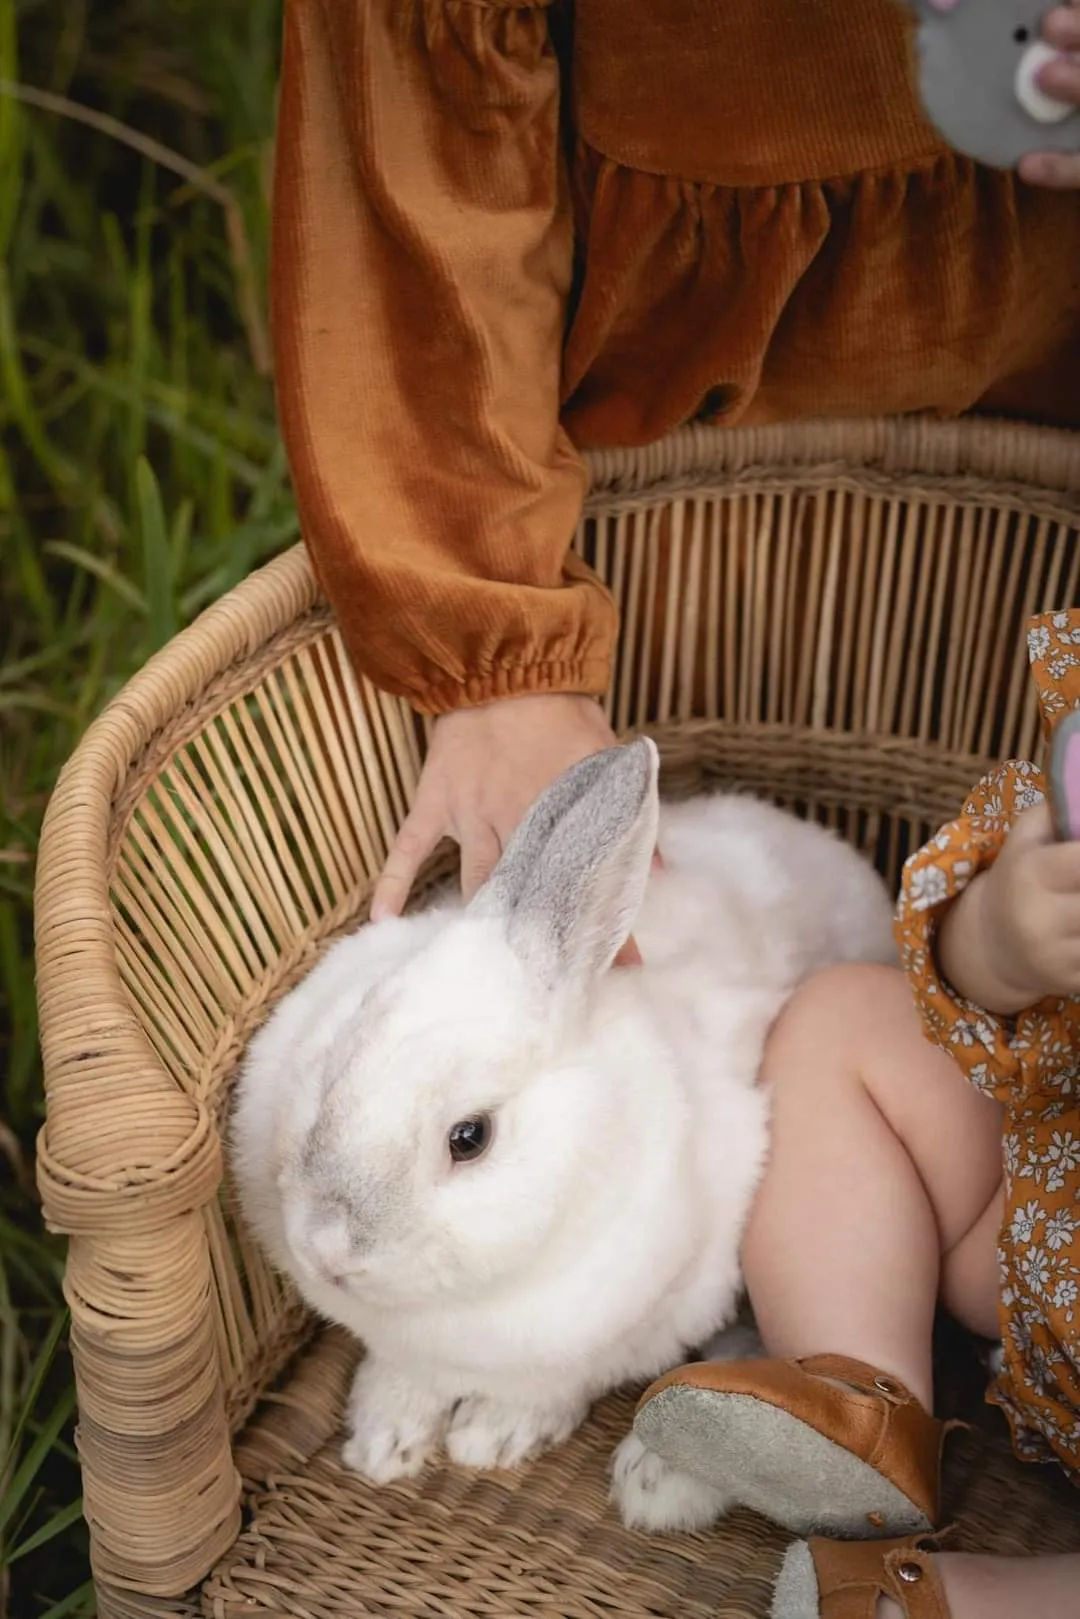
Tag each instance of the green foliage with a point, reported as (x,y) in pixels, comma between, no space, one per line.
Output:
(141,476)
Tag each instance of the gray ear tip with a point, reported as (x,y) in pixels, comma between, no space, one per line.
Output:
(649,754)
(626,766)
(633,767)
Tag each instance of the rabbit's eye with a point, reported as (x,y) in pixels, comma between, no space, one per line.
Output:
(470,1138)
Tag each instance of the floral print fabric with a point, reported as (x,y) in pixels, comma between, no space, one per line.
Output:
(1031,1064)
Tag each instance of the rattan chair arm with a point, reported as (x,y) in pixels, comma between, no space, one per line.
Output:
(128,1159)
(982,453)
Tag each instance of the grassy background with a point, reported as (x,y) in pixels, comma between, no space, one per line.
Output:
(140,476)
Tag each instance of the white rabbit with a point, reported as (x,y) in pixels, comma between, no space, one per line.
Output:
(521,1178)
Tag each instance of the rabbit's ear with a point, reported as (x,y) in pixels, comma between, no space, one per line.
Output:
(570,882)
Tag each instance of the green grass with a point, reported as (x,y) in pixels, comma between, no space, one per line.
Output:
(140,477)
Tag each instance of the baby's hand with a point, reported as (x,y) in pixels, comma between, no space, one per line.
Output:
(1060,79)
(1030,913)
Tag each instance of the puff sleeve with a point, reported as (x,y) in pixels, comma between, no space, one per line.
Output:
(421,267)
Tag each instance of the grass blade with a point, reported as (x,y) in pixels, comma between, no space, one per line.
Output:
(17,976)
(16,1489)
(157,561)
(58,1524)
(20,400)
(29,702)
(33,1387)
(10,131)
(82,1603)
(101,569)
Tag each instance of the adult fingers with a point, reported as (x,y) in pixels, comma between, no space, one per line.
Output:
(1057,171)
(1062,27)
(419,833)
(480,852)
(1061,77)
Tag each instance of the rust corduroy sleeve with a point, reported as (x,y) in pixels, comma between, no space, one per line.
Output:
(422,260)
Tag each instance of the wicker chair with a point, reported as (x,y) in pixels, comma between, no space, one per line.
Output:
(832,615)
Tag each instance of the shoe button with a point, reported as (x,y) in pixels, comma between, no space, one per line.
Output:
(910,1573)
(885,1385)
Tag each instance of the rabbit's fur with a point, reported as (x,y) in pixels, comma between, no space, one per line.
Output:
(595,1241)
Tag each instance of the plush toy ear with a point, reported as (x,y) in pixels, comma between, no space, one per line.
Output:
(571,880)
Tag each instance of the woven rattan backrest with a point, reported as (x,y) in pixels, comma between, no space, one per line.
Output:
(830,615)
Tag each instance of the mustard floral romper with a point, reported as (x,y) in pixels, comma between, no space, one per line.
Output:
(1031,1064)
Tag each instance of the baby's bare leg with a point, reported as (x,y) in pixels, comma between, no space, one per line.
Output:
(883,1183)
(1006,1587)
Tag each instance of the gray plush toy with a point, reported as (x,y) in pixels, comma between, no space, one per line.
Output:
(977,63)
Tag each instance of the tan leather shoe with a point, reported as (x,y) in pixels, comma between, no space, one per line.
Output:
(843,1579)
(825,1445)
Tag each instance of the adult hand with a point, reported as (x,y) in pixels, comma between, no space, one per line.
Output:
(484,770)
(1061,79)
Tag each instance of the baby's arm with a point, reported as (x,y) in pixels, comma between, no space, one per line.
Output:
(988,919)
(1012,937)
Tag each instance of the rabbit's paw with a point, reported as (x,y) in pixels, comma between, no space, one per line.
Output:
(650,1495)
(393,1425)
(485,1433)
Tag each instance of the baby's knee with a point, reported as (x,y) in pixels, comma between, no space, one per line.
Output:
(830,1014)
(848,993)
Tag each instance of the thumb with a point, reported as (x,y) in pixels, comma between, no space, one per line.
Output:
(1032,827)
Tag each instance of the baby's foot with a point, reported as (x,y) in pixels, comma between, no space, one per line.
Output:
(898,1579)
(872,1577)
(821,1446)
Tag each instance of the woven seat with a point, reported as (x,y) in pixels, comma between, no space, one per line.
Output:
(831,615)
